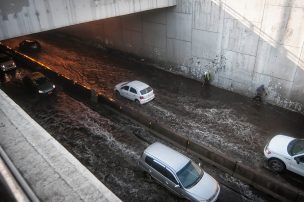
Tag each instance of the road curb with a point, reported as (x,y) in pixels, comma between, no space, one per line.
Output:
(258,180)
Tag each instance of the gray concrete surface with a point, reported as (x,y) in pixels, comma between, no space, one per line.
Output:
(242,43)
(25,17)
(51,171)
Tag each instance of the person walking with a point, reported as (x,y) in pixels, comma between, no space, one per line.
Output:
(207,77)
(260,93)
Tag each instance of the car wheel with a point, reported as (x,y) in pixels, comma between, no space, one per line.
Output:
(137,102)
(276,165)
(117,93)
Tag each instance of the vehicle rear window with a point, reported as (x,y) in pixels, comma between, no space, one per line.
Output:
(146,90)
(149,160)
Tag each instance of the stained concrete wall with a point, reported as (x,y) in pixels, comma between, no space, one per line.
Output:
(21,17)
(242,43)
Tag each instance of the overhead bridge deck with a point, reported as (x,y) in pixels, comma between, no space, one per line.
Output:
(26,17)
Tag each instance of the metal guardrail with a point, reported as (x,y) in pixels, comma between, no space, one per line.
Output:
(21,191)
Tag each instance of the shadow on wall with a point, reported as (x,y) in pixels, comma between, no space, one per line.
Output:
(243,44)
(278,62)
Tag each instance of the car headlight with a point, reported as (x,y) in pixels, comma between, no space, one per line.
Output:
(40,91)
(267,151)
(54,86)
(2,66)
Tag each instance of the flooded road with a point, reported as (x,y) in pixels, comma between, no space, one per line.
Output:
(108,144)
(224,121)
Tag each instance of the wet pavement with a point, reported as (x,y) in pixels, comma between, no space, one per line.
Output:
(224,121)
(108,144)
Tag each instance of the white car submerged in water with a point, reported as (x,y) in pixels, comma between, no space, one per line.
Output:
(135,90)
(284,152)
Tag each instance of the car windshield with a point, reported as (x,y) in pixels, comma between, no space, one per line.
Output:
(190,175)
(295,147)
(41,80)
(146,90)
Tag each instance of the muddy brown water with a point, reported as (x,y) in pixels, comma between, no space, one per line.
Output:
(222,120)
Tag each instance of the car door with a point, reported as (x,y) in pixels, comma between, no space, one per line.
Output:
(133,94)
(154,169)
(163,175)
(124,91)
(170,182)
(298,164)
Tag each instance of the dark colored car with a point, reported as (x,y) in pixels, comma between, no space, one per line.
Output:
(6,63)
(39,83)
(29,45)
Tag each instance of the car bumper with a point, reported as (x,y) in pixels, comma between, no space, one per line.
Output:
(143,101)
(214,198)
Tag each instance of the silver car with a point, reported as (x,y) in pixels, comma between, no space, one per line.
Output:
(178,173)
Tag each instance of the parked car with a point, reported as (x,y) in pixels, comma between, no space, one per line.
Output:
(39,83)
(29,45)
(6,63)
(284,152)
(178,173)
(135,90)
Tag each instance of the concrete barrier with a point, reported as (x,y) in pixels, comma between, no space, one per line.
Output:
(218,159)
(243,172)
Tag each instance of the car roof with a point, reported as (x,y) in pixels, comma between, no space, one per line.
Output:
(138,85)
(167,156)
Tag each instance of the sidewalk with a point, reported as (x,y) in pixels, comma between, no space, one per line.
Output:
(50,170)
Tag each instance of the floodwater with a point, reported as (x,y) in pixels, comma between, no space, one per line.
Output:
(224,121)
(108,144)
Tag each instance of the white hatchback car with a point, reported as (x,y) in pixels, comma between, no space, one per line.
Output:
(284,152)
(178,173)
(135,90)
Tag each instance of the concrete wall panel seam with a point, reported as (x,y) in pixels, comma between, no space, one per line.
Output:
(178,39)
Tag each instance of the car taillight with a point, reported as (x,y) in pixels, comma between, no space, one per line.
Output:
(141,97)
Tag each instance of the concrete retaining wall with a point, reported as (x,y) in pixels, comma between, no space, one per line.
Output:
(242,43)
(235,168)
